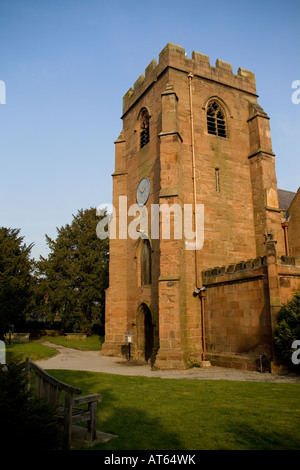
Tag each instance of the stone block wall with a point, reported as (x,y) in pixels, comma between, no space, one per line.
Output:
(294,226)
(238,309)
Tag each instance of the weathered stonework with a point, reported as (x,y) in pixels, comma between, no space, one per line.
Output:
(242,302)
(234,177)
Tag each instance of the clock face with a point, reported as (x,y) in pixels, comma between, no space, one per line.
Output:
(143,191)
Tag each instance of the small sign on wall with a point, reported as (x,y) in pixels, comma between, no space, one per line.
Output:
(128,337)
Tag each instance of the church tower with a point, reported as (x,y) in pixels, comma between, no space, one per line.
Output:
(195,151)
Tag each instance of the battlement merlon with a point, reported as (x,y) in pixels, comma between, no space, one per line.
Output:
(250,264)
(174,56)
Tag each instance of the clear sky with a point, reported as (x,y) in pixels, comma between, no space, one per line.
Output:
(66,65)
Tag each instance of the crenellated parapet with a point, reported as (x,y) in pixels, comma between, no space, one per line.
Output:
(250,264)
(289,261)
(235,268)
(199,65)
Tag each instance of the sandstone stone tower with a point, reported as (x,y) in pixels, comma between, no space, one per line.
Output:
(192,134)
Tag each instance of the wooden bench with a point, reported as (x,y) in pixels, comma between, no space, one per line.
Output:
(60,396)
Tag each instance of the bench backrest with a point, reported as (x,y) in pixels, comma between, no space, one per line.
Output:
(48,388)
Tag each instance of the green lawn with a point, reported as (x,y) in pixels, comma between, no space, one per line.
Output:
(170,414)
(92,343)
(37,351)
(33,349)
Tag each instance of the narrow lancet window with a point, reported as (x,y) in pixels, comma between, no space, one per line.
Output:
(144,128)
(217,176)
(146,263)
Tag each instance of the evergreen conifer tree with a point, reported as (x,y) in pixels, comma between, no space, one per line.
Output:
(72,280)
(15,278)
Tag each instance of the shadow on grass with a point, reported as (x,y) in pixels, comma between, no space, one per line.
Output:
(125,412)
(136,429)
(255,438)
(158,414)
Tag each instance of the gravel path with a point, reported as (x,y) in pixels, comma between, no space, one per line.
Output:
(72,359)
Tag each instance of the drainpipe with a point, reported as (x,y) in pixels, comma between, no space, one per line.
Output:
(190,77)
(285,225)
(202,299)
(198,291)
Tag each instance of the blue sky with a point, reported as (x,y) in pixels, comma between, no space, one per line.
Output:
(66,65)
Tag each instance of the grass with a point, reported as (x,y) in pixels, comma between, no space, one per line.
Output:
(37,351)
(92,343)
(33,349)
(170,414)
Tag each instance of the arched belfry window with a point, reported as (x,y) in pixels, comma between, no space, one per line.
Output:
(144,127)
(146,263)
(216,123)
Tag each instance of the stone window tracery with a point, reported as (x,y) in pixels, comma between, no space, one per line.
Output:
(216,123)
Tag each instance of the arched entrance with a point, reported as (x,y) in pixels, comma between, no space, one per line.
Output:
(145,333)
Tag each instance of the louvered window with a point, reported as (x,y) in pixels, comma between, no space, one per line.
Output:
(144,130)
(216,120)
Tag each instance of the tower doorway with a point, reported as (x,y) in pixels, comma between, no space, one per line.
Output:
(145,333)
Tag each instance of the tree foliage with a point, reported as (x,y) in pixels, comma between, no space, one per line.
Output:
(71,282)
(26,423)
(15,278)
(288,327)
